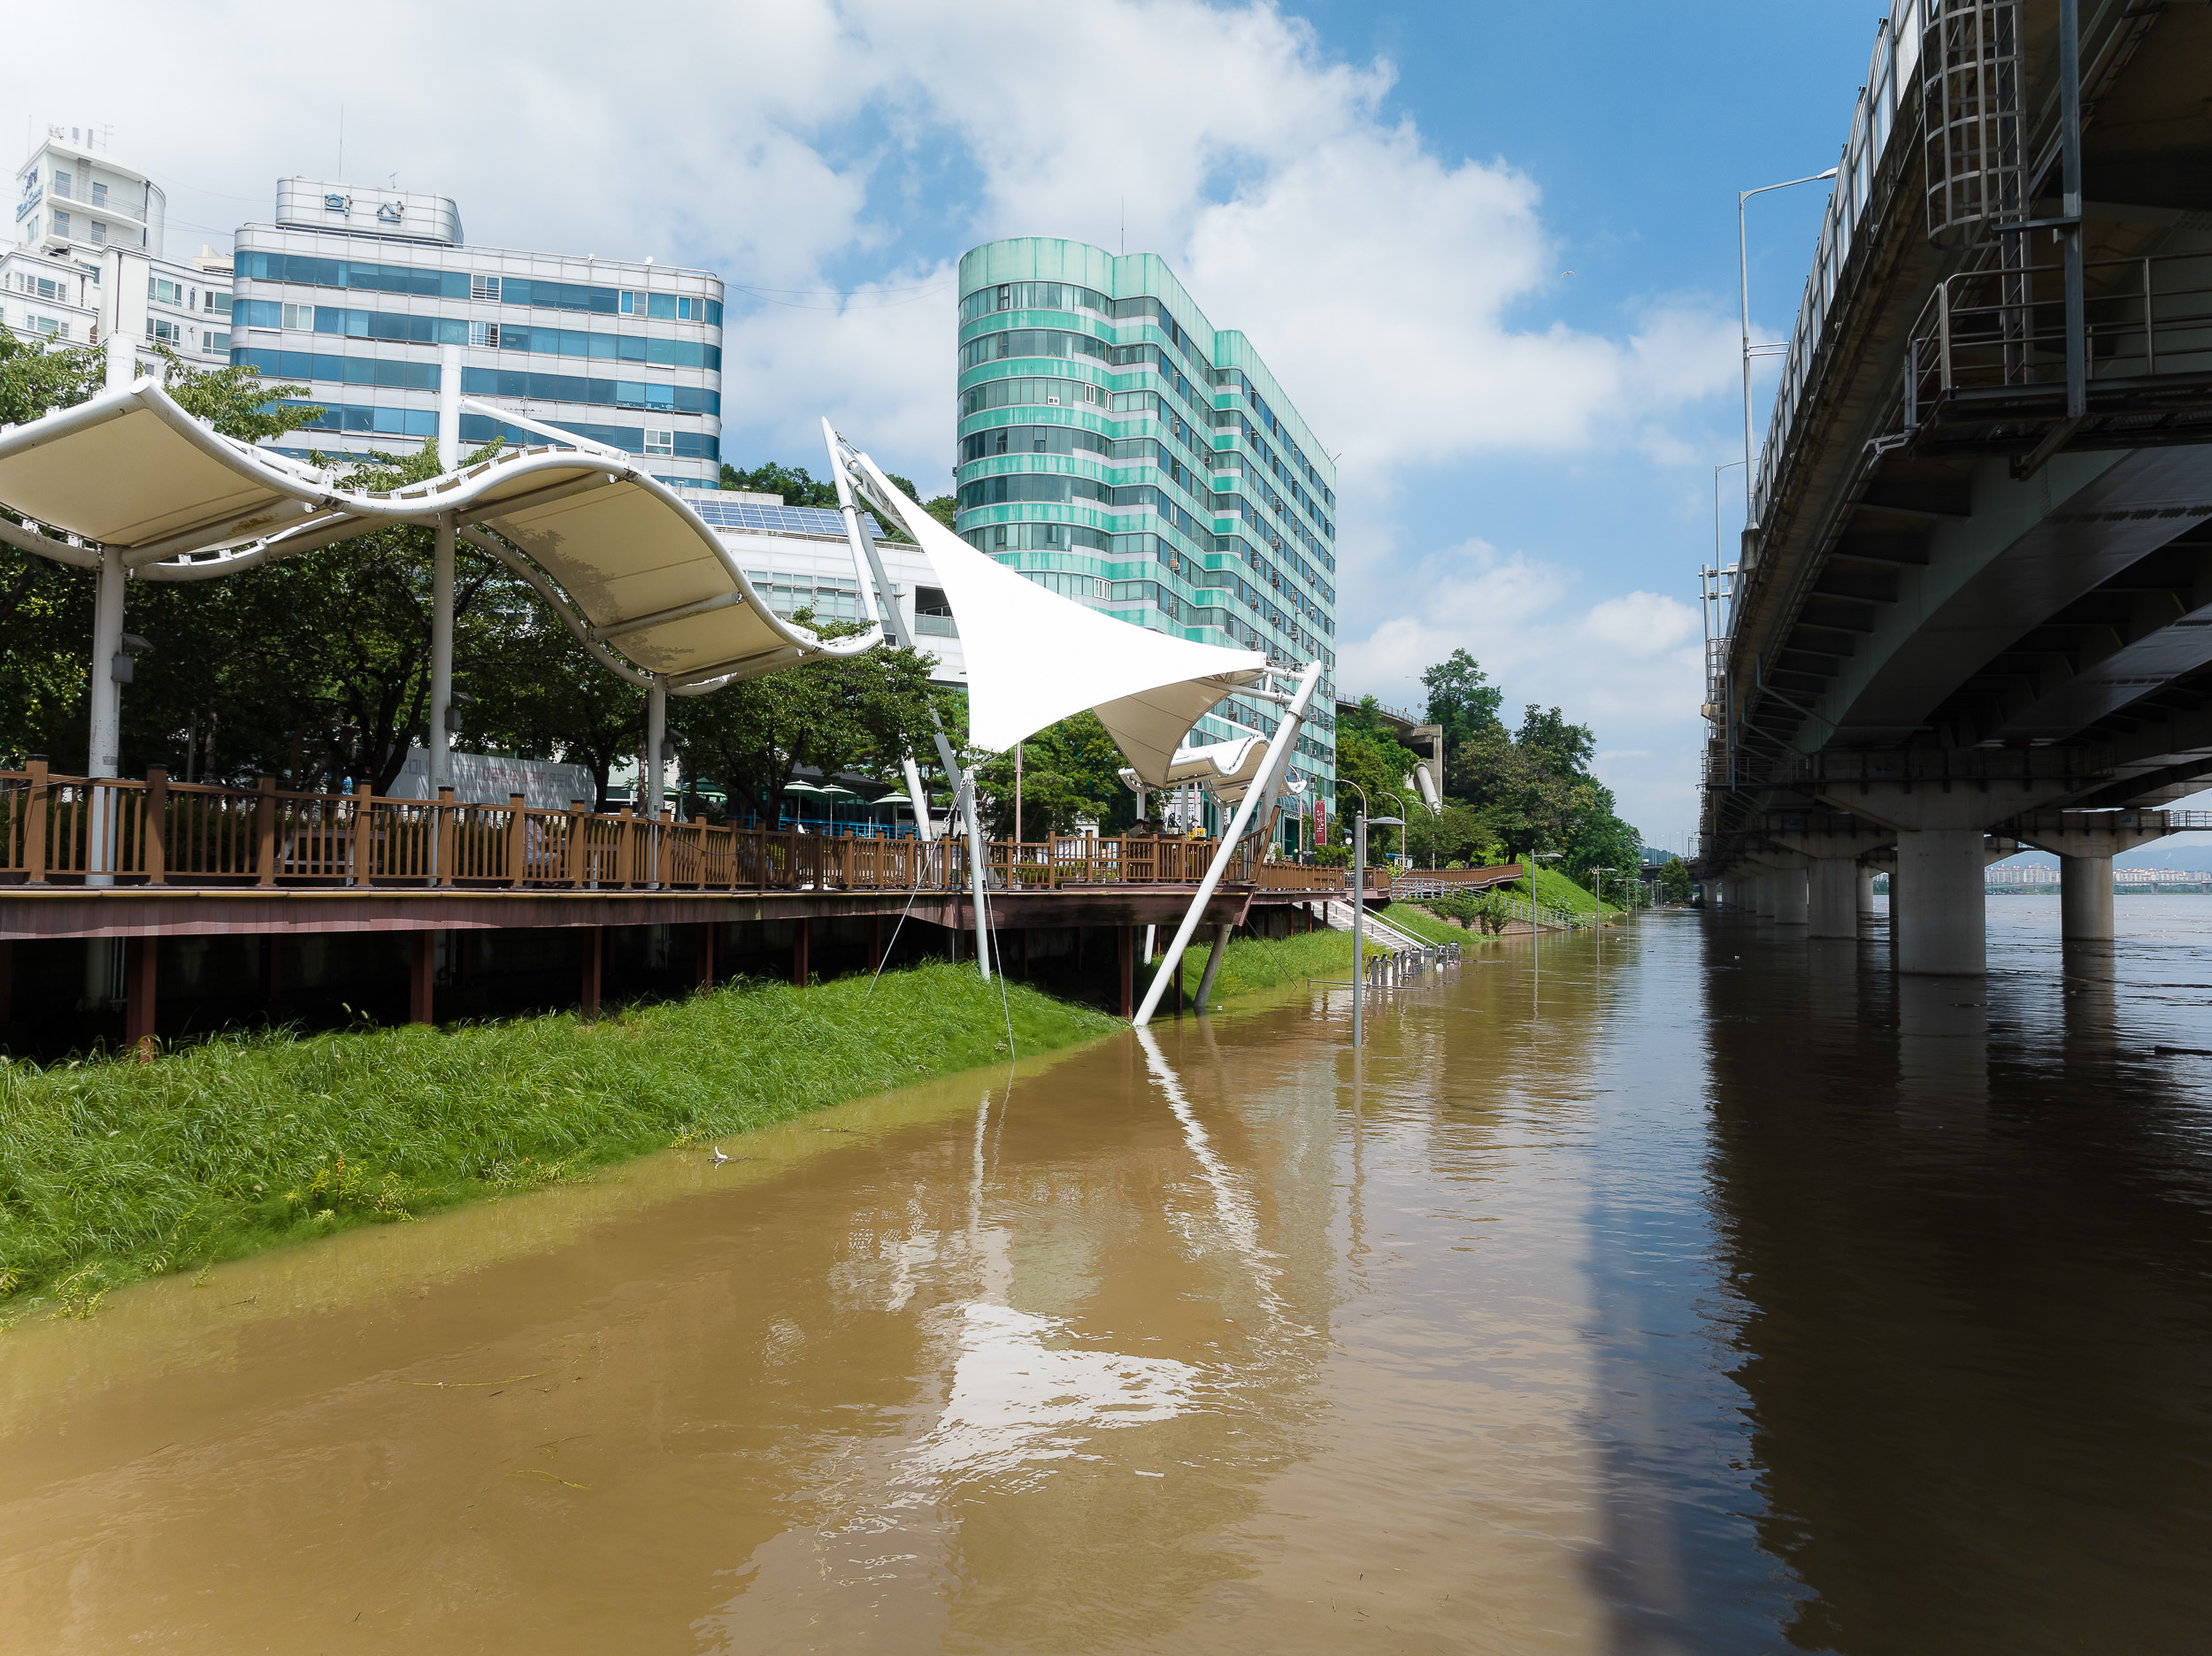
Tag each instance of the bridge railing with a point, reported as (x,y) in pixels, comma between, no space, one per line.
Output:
(1882,101)
(79,831)
(1997,329)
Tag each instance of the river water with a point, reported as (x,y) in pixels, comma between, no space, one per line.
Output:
(1686,1289)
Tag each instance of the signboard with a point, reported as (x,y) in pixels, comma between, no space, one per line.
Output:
(1320,822)
(486,779)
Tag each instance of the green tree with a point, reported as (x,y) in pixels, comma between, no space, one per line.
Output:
(1069,769)
(1674,881)
(797,485)
(1462,699)
(861,714)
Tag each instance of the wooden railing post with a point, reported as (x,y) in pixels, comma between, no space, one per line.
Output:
(364,822)
(264,831)
(441,838)
(153,827)
(663,843)
(37,802)
(577,859)
(518,839)
(625,849)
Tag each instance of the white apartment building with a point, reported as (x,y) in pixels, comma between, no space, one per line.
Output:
(89,240)
(77,201)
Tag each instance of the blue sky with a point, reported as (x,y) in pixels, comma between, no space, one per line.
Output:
(1386,198)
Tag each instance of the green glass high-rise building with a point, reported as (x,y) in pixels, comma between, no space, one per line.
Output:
(1119,448)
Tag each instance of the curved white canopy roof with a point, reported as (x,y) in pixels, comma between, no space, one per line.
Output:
(133,472)
(1034,658)
(1228,770)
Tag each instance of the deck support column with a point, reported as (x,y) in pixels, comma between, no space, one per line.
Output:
(273,966)
(1213,961)
(1940,931)
(139,986)
(1835,908)
(875,945)
(703,962)
(2084,902)
(422,975)
(594,973)
(1125,961)
(799,940)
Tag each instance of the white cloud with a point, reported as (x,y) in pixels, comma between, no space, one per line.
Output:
(1627,665)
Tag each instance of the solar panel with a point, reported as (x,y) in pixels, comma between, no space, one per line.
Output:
(807,520)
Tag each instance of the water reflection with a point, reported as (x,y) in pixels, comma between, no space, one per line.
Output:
(1707,1289)
(1975,1341)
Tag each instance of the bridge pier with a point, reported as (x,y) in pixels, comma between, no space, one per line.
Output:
(2084,902)
(1835,908)
(2084,844)
(1938,931)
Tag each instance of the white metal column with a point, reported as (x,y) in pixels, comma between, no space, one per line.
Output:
(653,780)
(1277,752)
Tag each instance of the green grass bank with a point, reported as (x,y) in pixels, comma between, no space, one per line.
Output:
(1555,889)
(1250,964)
(114,1170)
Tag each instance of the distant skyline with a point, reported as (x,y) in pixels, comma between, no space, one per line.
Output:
(1490,250)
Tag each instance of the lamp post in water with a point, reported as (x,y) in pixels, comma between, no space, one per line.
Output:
(1359,903)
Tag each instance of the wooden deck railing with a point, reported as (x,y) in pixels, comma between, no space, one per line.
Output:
(77,830)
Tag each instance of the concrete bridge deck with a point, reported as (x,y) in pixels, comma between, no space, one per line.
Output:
(1978,582)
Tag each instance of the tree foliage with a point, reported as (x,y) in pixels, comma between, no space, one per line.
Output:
(1069,769)
(1462,699)
(863,714)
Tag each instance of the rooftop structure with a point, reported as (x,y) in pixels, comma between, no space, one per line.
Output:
(353,291)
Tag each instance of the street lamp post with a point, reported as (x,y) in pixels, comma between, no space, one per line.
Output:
(1743,270)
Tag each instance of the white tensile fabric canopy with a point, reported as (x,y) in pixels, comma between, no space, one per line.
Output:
(1228,770)
(622,557)
(1034,658)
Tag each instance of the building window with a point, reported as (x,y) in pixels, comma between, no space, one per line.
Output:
(659,442)
(61,185)
(629,304)
(299,316)
(484,287)
(217,343)
(162,331)
(47,326)
(166,292)
(61,224)
(485,333)
(99,194)
(99,234)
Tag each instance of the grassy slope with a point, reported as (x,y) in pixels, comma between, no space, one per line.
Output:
(1249,964)
(113,1170)
(1411,917)
(1555,889)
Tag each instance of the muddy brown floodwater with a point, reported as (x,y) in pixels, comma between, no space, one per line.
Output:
(1691,1289)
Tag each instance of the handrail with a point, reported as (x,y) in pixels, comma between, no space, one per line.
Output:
(64,830)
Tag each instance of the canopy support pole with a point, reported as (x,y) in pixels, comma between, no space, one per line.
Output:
(104,733)
(652,779)
(441,655)
(1278,751)
(977,851)
(892,619)
(441,576)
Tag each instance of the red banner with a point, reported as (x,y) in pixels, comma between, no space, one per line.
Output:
(1320,821)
